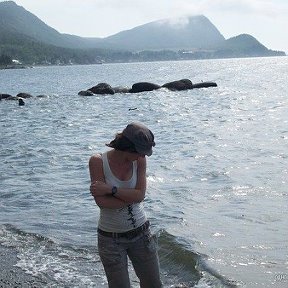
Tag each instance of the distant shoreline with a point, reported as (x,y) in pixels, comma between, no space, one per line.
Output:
(7,67)
(4,67)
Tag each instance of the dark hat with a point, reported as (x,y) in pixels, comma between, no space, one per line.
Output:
(141,137)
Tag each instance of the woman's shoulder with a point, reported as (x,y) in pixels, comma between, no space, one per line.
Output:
(96,158)
(96,168)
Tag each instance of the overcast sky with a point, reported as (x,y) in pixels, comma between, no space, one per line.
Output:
(266,20)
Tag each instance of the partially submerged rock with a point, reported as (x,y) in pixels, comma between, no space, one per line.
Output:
(144,86)
(86,93)
(5,96)
(183,84)
(204,85)
(102,88)
(24,95)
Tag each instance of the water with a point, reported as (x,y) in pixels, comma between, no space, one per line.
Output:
(217,181)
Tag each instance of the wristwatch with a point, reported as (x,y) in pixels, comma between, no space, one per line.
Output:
(114,190)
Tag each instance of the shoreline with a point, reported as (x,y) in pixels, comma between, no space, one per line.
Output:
(13,276)
(5,67)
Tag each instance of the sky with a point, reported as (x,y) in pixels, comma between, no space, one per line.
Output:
(266,20)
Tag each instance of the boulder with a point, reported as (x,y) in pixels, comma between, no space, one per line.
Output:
(4,96)
(102,88)
(86,93)
(12,98)
(183,84)
(24,95)
(204,85)
(144,86)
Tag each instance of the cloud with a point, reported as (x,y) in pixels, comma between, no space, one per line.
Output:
(267,8)
(177,22)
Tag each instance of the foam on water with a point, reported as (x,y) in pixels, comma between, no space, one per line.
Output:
(66,265)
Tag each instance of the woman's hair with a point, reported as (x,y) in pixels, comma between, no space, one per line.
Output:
(122,143)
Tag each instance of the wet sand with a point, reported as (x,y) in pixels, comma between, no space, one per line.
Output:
(12,276)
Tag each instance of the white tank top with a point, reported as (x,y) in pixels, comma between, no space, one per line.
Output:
(125,218)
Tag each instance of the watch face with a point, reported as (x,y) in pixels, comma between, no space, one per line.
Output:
(114,190)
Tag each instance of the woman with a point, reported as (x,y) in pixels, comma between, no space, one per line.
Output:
(118,185)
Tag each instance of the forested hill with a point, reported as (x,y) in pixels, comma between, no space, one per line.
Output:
(14,18)
(24,37)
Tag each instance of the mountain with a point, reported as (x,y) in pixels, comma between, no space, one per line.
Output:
(15,19)
(245,42)
(172,34)
(245,45)
(185,33)
(24,36)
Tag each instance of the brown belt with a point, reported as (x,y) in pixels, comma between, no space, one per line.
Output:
(129,234)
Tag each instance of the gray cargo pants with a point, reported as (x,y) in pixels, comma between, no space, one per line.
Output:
(141,250)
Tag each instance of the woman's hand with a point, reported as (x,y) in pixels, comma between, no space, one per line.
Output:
(99,188)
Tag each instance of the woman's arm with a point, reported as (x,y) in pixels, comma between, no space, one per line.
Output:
(128,195)
(97,175)
(109,202)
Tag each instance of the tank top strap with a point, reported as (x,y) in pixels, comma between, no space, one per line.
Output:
(106,167)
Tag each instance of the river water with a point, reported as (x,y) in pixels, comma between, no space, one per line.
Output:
(217,181)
